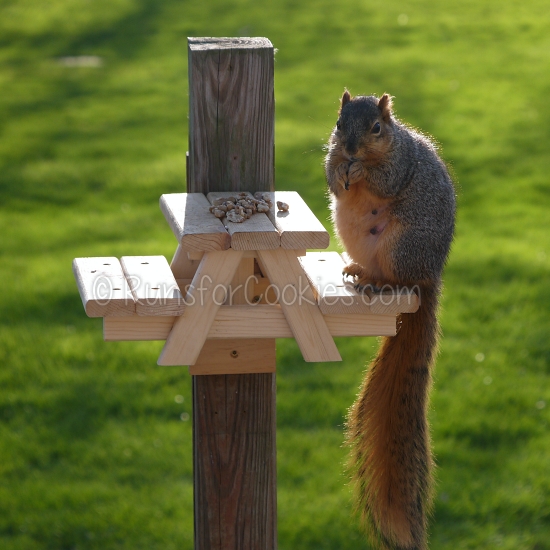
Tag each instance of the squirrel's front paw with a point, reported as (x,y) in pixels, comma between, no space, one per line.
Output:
(342,175)
(356,172)
(352,269)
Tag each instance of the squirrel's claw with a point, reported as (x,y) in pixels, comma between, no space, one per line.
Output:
(345,276)
(346,186)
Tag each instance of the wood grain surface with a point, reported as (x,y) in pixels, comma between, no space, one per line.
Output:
(231,148)
(191,222)
(231,123)
(103,287)
(256,233)
(234,462)
(239,322)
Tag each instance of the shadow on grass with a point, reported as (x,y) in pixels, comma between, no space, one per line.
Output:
(33,168)
(126,37)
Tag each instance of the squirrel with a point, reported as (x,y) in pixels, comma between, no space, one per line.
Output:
(393,209)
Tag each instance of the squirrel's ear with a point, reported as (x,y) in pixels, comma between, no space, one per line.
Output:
(346,98)
(385,106)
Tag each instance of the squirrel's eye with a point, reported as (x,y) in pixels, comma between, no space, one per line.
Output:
(376,128)
(338,125)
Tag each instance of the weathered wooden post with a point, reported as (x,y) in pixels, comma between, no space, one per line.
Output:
(231,148)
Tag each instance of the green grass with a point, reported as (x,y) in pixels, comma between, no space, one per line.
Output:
(93,451)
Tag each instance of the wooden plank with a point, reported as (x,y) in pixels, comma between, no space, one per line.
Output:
(184,285)
(298,304)
(335,295)
(153,285)
(197,256)
(231,115)
(236,357)
(243,321)
(192,223)
(298,227)
(256,233)
(203,299)
(137,328)
(239,322)
(361,325)
(242,285)
(103,287)
(394,300)
(264,292)
(182,266)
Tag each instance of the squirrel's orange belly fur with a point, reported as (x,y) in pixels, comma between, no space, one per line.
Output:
(367,231)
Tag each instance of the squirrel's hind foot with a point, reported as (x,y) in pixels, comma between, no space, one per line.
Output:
(360,280)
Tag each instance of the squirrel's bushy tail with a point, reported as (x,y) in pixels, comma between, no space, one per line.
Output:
(388,433)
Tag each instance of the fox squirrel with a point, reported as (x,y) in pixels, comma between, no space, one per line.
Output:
(393,208)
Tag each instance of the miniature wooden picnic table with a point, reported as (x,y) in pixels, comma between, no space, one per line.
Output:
(235,282)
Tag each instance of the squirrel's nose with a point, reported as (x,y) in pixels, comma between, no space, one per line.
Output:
(351,148)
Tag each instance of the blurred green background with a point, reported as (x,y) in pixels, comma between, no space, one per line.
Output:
(95,439)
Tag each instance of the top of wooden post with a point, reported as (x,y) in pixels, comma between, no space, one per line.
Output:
(231,115)
(207,43)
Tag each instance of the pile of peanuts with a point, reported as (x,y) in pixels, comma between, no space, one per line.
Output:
(243,206)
